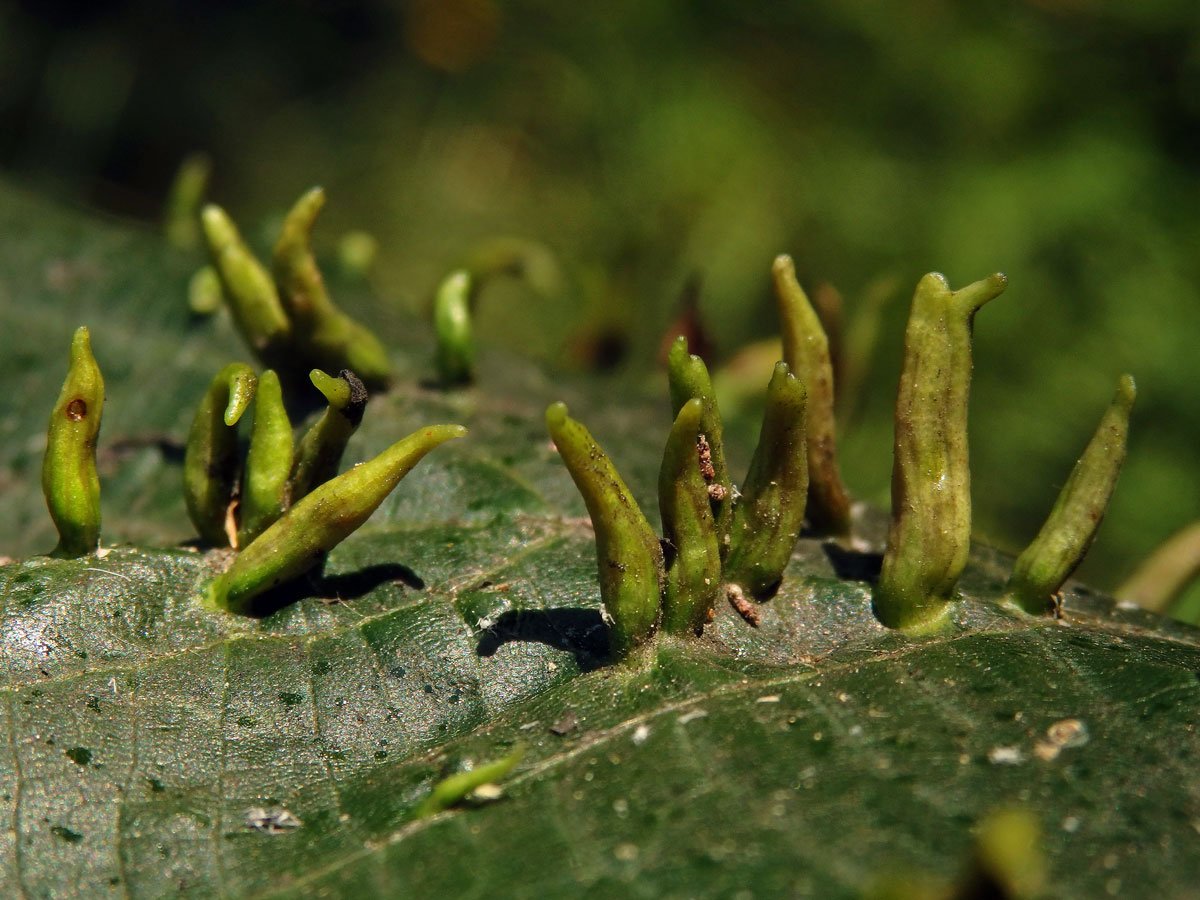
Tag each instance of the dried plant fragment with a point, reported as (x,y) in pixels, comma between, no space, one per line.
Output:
(312,527)
(210,462)
(323,335)
(692,556)
(628,554)
(1073,522)
(806,351)
(769,516)
(744,608)
(930,531)
(69,480)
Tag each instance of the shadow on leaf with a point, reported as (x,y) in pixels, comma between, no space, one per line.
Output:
(853,565)
(343,587)
(580,632)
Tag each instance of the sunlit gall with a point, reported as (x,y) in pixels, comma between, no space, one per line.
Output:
(69,479)
(247,287)
(930,532)
(769,515)
(455,354)
(319,452)
(323,334)
(1071,527)
(688,379)
(628,554)
(210,460)
(299,540)
(806,351)
(692,556)
(265,491)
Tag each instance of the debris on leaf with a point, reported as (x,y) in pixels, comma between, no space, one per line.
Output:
(1060,736)
(1005,756)
(273,820)
(456,788)
(566,724)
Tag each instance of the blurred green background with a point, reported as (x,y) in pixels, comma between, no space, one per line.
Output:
(641,142)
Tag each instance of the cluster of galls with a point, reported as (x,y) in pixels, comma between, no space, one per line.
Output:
(282,507)
(719,539)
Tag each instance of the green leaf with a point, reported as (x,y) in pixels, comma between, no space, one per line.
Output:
(152,748)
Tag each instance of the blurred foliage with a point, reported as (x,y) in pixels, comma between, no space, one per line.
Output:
(1055,140)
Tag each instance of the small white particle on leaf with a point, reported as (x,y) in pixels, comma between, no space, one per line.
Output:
(641,733)
(768,698)
(486,793)
(1005,756)
(626,852)
(692,716)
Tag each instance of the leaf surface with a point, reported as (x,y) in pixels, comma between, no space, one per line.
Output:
(151,748)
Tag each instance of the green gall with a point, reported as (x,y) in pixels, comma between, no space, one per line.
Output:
(688,378)
(455,356)
(516,257)
(628,554)
(323,334)
(1008,861)
(300,538)
(930,532)
(691,553)
(247,287)
(210,462)
(69,479)
(356,253)
(320,450)
(769,515)
(806,351)
(265,491)
(1159,581)
(186,195)
(1071,527)
(456,788)
(204,291)
(858,348)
